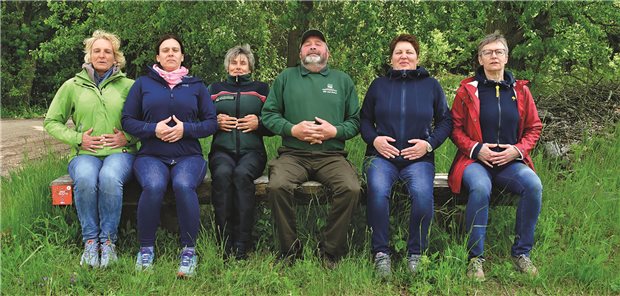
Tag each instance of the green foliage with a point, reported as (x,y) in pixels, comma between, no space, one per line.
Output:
(549,40)
(23,29)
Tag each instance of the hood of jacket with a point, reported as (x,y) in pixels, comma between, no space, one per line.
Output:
(85,77)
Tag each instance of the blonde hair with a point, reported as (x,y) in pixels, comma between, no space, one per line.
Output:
(116,45)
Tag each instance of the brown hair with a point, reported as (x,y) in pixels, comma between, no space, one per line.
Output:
(165,37)
(405,38)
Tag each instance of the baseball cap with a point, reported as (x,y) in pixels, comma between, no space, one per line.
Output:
(310,33)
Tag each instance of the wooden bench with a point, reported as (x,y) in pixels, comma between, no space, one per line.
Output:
(307,192)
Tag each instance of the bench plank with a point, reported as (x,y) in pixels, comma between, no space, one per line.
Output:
(304,194)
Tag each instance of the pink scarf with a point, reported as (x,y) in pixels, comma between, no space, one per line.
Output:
(173,78)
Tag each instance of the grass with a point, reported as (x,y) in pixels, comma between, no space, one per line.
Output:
(577,242)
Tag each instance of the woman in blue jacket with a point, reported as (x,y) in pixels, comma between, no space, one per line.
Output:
(169,111)
(397,119)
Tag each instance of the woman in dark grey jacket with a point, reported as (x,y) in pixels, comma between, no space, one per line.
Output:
(237,153)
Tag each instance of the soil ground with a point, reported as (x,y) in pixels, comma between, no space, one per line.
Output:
(22,138)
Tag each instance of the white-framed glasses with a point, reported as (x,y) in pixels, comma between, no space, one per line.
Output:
(489,52)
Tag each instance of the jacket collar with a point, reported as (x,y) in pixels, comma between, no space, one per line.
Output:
(507,81)
(304,71)
(186,79)
(87,77)
(239,79)
(418,73)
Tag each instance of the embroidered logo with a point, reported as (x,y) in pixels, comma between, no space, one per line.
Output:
(514,98)
(224,98)
(330,89)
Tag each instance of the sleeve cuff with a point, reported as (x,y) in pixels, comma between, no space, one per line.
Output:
(520,154)
(288,129)
(78,139)
(474,151)
(339,132)
(150,127)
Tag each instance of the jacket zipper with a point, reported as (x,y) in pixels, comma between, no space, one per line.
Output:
(499,109)
(237,113)
(403,93)
(173,161)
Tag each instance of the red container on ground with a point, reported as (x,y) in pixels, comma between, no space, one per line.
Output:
(62,195)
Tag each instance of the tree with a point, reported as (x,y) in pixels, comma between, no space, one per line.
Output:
(42,42)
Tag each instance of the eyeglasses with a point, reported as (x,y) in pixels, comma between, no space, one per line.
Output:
(489,52)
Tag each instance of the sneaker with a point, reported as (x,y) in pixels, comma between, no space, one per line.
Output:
(524,264)
(108,254)
(474,269)
(413,262)
(383,265)
(189,261)
(90,256)
(145,258)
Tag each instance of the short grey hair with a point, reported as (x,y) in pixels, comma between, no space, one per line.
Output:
(232,53)
(493,37)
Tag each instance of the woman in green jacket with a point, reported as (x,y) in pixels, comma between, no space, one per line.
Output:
(101,153)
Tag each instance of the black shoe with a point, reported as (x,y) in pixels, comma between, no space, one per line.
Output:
(328,260)
(286,260)
(241,255)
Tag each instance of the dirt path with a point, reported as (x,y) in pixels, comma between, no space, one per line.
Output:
(25,137)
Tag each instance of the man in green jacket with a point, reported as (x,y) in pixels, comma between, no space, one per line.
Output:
(315,109)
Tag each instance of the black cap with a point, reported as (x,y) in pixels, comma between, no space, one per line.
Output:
(310,33)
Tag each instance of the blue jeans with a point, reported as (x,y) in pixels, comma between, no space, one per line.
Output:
(154,176)
(418,178)
(516,178)
(98,188)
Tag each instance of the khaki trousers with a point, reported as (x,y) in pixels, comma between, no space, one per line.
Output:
(331,168)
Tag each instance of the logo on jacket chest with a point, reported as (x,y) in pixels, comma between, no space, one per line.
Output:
(225,98)
(330,89)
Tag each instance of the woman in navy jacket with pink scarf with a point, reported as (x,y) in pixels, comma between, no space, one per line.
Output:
(397,119)
(496,125)
(169,111)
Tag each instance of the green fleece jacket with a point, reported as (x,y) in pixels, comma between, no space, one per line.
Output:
(89,106)
(298,95)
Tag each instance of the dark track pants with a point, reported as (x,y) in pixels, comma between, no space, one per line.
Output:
(232,195)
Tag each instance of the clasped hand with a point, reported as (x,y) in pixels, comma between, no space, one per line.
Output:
(417,150)
(167,133)
(245,124)
(491,158)
(92,143)
(314,132)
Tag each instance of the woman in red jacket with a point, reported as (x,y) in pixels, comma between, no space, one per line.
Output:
(496,125)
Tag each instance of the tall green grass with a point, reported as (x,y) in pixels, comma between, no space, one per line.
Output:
(577,242)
